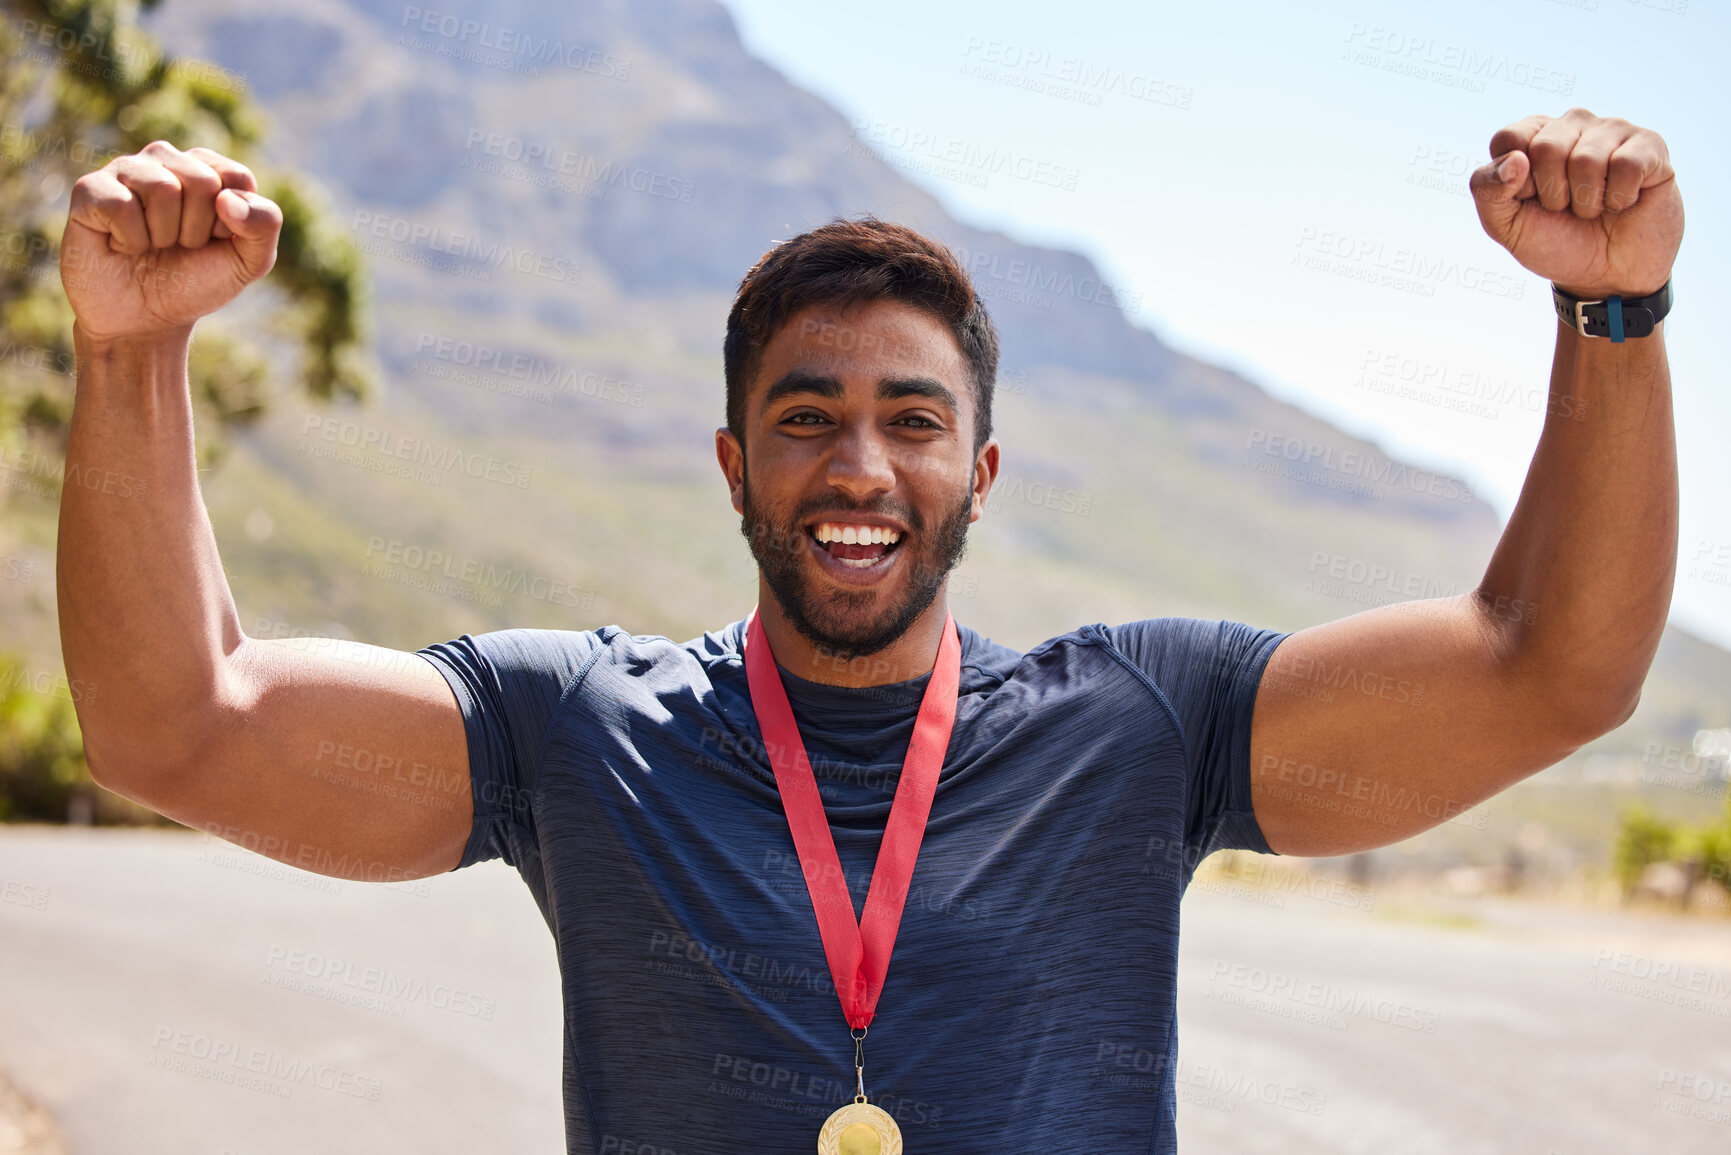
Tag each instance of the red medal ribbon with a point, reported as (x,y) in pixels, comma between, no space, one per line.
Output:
(859,955)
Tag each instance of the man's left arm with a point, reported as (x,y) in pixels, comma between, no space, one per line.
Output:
(1373,728)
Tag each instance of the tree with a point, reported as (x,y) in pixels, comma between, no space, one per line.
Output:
(80,84)
(1643,839)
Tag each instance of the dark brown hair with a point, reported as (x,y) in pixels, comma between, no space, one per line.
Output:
(845,262)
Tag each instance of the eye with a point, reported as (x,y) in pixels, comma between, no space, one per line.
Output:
(924,421)
(796,418)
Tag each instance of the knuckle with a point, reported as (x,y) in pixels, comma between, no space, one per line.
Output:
(158,148)
(203,182)
(157,181)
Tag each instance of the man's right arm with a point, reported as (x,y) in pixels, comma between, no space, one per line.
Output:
(275,745)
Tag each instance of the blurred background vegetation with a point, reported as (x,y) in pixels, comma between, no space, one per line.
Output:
(82,84)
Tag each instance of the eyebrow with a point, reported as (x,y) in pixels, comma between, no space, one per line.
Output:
(797,381)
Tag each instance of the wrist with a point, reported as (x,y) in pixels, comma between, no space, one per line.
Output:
(1612,315)
(154,344)
(1600,292)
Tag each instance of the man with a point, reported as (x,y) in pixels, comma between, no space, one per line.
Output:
(724,920)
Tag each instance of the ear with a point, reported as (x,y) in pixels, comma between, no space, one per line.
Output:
(985,473)
(732,458)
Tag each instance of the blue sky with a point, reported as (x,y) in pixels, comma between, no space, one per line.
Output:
(1203,154)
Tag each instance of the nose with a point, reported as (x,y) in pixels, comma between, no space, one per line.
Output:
(862,463)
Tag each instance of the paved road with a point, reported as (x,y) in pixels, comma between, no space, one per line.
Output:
(135,966)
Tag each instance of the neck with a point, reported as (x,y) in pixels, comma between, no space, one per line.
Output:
(909,656)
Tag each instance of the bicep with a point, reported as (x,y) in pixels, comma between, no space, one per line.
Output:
(1378,726)
(341,758)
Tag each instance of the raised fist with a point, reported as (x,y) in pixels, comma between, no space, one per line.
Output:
(1589,202)
(160,238)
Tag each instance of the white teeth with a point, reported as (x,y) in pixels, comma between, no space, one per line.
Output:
(830,531)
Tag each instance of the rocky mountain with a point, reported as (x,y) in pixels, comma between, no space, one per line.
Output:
(556,203)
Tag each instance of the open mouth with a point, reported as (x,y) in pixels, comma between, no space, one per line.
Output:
(855,546)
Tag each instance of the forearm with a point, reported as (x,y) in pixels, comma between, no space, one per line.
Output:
(146,617)
(1580,584)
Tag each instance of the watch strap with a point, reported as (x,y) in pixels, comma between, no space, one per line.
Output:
(1615,317)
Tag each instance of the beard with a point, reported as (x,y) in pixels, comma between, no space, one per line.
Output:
(847,624)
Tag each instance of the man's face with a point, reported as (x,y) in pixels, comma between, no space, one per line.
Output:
(862,419)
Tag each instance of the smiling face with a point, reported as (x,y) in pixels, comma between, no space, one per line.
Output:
(858,480)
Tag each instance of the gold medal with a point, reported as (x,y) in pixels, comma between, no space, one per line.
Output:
(859,1128)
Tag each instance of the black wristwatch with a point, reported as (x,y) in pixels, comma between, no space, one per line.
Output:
(1613,317)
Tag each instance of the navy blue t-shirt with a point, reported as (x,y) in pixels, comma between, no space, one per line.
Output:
(1030,999)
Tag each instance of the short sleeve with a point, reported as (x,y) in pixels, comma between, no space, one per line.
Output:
(509,684)
(1209,672)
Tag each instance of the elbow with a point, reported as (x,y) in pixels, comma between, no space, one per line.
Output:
(131,773)
(1586,716)
(146,751)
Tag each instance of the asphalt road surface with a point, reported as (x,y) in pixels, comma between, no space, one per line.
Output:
(135,965)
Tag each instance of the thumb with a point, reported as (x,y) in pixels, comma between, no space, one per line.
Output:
(256,222)
(1496,191)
